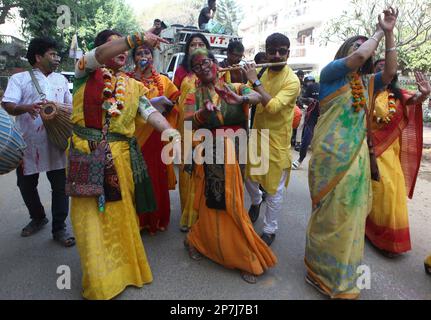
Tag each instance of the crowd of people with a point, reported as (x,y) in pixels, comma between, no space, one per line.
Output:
(364,131)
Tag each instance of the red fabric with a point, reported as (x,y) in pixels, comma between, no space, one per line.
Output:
(180,74)
(157,170)
(395,241)
(296,117)
(407,124)
(93,100)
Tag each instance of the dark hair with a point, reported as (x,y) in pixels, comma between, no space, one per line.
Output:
(143,46)
(103,36)
(157,20)
(300,72)
(277,40)
(185,63)
(211,2)
(260,57)
(235,46)
(394,87)
(377,61)
(39,46)
(367,67)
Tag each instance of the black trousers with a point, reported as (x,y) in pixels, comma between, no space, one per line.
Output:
(59,201)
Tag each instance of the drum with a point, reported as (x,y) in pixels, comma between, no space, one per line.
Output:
(56,119)
(12,144)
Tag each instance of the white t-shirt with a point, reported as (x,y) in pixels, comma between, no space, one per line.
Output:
(40,155)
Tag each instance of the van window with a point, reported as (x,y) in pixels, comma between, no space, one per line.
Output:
(172,64)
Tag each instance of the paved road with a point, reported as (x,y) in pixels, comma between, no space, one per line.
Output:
(28,265)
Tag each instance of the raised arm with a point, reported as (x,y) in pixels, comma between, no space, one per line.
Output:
(102,54)
(385,28)
(424,89)
(388,24)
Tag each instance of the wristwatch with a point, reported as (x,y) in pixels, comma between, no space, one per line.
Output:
(245,99)
(257,83)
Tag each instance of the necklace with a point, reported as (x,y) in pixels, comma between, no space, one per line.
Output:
(392,109)
(113,92)
(157,79)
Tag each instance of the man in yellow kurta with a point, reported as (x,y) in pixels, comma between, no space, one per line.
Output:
(279,87)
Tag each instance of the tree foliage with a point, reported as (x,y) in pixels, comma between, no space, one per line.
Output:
(229,14)
(412,33)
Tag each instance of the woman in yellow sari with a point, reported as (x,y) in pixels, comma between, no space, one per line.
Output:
(397,139)
(185,80)
(339,170)
(223,232)
(162,176)
(106,228)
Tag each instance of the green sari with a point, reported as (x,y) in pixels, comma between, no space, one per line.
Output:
(340,187)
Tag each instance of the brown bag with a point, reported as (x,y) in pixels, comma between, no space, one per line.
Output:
(86,172)
(375,174)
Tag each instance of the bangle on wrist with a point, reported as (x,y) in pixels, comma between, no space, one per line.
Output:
(374,38)
(391,49)
(135,40)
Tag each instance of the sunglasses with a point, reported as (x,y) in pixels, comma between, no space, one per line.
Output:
(206,63)
(281,51)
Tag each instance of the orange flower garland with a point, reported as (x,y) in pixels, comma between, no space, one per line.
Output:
(392,108)
(157,79)
(114,102)
(358,99)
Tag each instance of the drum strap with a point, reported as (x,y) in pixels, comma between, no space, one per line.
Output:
(36,84)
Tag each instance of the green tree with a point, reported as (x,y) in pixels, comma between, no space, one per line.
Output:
(88,17)
(229,14)
(412,33)
(5,9)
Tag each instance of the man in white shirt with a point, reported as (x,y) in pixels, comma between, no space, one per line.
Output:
(23,100)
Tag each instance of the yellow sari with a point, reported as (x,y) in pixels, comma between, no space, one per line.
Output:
(111,249)
(187,187)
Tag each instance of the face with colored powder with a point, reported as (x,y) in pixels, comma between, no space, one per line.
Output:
(204,68)
(143,58)
(120,60)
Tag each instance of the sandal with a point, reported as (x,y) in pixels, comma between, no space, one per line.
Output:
(193,253)
(33,227)
(248,277)
(64,238)
(315,285)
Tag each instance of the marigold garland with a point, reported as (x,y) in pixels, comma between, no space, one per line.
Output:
(392,108)
(358,99)
(157,79)
(113,94)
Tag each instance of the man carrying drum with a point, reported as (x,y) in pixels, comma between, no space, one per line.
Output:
(24,100)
